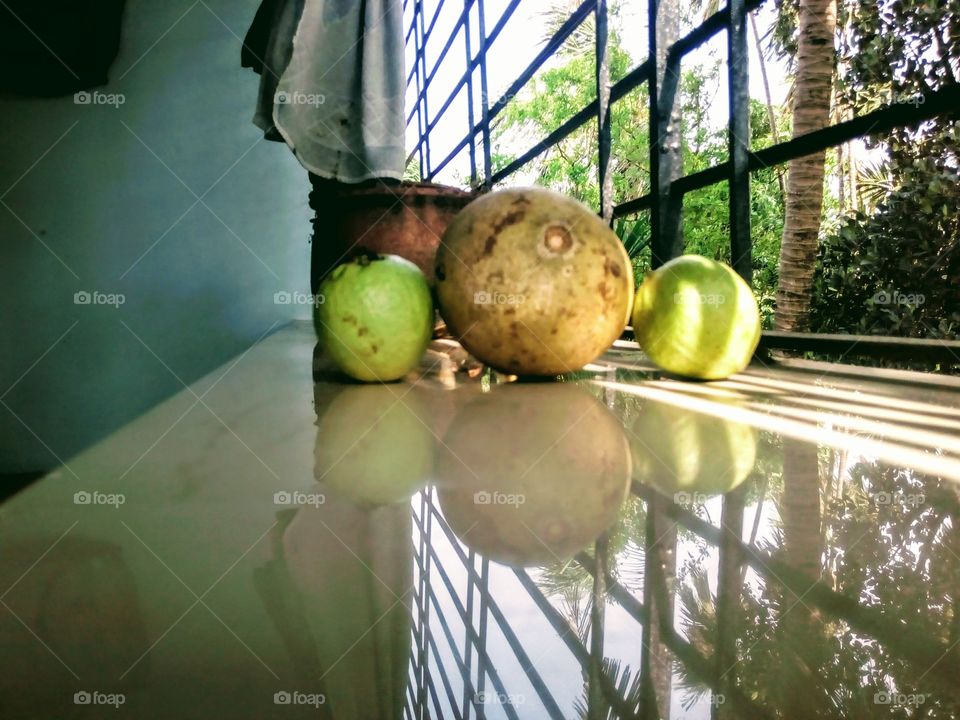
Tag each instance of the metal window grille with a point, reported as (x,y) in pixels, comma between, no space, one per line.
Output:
(668,187)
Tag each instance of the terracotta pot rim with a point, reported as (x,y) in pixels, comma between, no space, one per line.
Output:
(404,190)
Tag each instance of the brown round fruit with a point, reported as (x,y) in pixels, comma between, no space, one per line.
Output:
(532,282)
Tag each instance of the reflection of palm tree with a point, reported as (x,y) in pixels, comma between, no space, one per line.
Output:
(803,549)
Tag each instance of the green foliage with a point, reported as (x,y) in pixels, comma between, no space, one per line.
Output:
(893,269)
(571,166)
(897,271)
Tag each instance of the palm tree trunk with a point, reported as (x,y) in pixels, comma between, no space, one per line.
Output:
(771,115)
(811,111)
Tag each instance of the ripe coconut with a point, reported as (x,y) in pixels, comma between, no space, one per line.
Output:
(684,453)
(374,444)
(529,474)
(532,282)
(374,317)
(696,317)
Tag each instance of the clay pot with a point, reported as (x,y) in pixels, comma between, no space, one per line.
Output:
(405,219)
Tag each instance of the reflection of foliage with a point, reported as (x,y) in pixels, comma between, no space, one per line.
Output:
(624,682)
(698,617)
(893,544)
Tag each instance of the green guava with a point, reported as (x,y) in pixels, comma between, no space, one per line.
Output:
(532,282)
(374,444)
(697,318)
(374,317)
(680,451)
(529,474)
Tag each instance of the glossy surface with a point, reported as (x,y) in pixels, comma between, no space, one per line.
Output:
(434,548)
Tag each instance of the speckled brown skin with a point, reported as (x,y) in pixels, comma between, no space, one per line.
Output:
(532,282)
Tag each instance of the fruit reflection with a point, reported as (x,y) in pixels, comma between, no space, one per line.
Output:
(678,450)
(375,445)
(342,592)
(530,474)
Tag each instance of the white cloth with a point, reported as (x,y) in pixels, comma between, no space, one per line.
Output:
(340,101)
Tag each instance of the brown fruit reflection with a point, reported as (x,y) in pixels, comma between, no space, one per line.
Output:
(532,473)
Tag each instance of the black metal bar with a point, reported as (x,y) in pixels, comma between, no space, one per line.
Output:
(552,139)
(484,94)
(699,666)
(943,351)
(443,53)
(921,652)
(569,637)
(448,634)
(484,592)
(474,637)
(469,76)
(546,697)
(603,112)
(422,77)
(942,102)
(447,688)
(467,645)
(693,523)
(632,80)
(462,665)
(739,140)
(416,67)
(508,11)
(665,158)
(707,29)
(563,629)
(553,44)
(434,695)
(551,47)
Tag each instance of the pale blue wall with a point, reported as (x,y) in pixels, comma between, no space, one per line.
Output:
(99,199)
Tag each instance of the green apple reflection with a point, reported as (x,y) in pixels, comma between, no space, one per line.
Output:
(375,445)
(531,473)
(679,450)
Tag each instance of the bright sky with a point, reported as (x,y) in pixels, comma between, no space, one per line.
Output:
(522,38)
